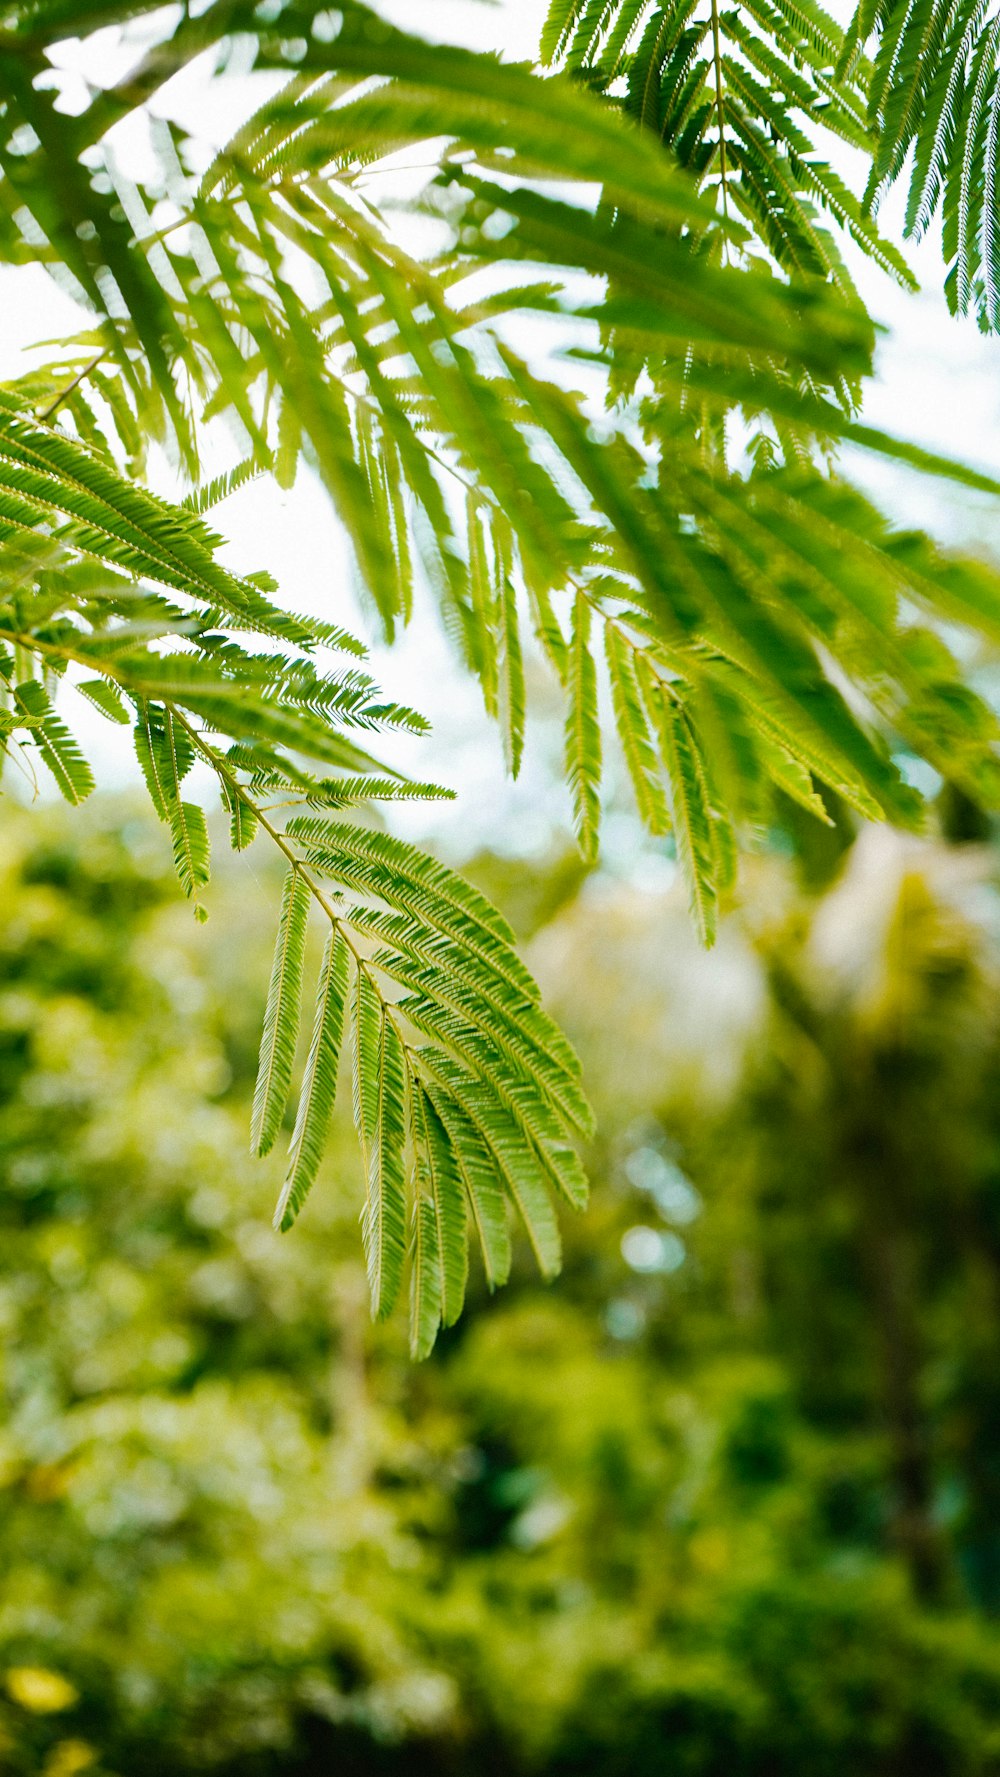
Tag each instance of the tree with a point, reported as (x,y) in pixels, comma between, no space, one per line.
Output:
(764,632)
(652,1515)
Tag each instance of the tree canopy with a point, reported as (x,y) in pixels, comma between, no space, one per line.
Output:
(658,191)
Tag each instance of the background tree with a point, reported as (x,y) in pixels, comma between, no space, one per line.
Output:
(659,1512)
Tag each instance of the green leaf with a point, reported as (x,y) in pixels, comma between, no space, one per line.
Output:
(633,732)
(583,733)
(510,673)
(149,750)
(56,745)
(477,1171)
(425,1280)
(281,1016)
(244,820)
(690,803)
(319,1083)
(517,1163)
(166,755)
(380,1117)
(402,875)
(106,698)
(189,831)
(446,1195)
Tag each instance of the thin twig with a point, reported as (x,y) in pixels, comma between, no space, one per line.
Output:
(58,400)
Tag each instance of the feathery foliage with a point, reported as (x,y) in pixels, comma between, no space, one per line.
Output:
(281,1019)
(419,971)
(744,98)
(933,105)
(674,535)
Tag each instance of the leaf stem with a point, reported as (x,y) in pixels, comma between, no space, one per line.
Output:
(47,412)
(717,58)
(222,770)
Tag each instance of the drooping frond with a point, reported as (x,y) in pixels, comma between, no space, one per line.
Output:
(420,978)
(744,99)
(393,377)
(319,1082)
(664,196)
(54,741)
(933,107)
(583,732)
(281,1019)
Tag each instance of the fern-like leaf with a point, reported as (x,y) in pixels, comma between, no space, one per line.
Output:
(583,733)
(281,1016)
(55,743)
(319,1083)
(379,1109)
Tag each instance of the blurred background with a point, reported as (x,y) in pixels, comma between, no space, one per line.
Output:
(724,1499)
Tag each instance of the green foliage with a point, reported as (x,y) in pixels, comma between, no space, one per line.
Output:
(932,102)
(656,1515)
(34,712)
(281,1019)
(765,634)
(398,379)
(728,92)
(583,733)
(198,693)
(744,99)
(319,1082)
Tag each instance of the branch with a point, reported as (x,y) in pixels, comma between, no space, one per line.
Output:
(47,412)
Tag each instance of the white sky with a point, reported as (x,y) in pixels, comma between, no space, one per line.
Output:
(937,384)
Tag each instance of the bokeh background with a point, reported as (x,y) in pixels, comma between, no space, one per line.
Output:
(724,1499)
(722,1502)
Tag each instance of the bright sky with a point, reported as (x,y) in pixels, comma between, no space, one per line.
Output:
(938,384)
